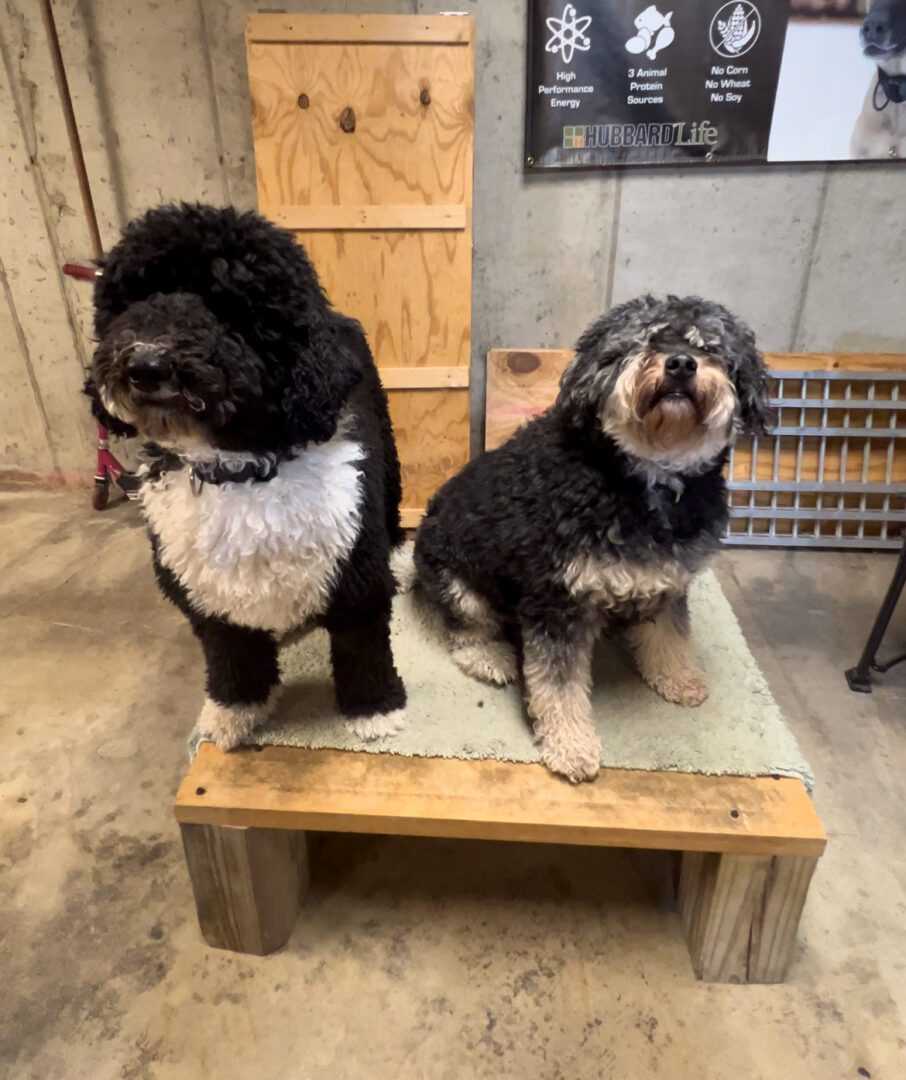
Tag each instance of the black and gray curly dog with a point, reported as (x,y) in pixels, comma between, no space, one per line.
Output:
(596,515)
(272,493)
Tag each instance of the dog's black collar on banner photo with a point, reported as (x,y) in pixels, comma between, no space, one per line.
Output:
(160,461)
(889,88)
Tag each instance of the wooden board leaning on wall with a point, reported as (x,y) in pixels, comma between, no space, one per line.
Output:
(363,133)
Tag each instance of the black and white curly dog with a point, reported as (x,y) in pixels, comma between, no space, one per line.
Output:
(596,515)
(272,494)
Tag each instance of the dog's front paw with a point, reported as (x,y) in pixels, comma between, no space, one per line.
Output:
(227,725)
(685,687)
(490,661)
(575,754)
(368,728)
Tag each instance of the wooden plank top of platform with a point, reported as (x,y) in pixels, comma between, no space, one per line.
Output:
(340,791)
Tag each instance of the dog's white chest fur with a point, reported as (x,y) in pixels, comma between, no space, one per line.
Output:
(264,555)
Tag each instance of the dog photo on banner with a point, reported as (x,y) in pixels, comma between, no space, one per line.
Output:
(842,89)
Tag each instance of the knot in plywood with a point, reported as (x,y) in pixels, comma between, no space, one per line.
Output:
(522,363)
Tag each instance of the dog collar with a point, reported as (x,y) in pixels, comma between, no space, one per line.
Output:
(259,469)
(890,88)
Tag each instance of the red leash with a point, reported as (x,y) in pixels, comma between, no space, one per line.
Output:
(108,467)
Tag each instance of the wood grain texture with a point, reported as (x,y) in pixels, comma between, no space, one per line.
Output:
(411,519)
(401,151)
(718,897)
(431,428)
(836,361)
(774,931)
(408,289)
(522,383)
(440,29)
(363,133)
(424,378)
(289,788)
(741,913)
(247,884)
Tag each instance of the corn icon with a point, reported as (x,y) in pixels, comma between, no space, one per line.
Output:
(736,32)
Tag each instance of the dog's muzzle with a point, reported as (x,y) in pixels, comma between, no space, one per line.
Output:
(147,370)
(878,33)
(679,379)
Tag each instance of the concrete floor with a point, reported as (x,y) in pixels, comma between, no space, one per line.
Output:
(413,958)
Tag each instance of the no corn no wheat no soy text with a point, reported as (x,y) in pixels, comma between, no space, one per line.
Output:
(733,30)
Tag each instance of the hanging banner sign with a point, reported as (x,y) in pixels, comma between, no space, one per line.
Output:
(625,82)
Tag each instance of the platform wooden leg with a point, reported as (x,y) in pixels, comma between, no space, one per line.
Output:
(248,884)
(741,913)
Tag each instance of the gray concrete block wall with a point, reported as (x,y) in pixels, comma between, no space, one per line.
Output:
(809,256)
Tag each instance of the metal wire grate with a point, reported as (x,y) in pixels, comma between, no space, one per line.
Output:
(832,473)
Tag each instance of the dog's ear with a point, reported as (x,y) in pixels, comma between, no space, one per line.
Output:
(113,424)
(755,412)
(324,374)
(750,377)
(582,387)
(584,384)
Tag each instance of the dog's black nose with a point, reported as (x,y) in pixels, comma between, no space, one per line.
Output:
(875,28)
(681,366)
(148,369)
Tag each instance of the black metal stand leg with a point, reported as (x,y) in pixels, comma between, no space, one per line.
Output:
(859,677)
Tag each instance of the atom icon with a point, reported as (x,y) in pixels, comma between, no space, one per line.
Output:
(568,34)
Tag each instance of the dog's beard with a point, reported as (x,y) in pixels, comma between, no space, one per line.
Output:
(174,421)
(168,427)
(675,428)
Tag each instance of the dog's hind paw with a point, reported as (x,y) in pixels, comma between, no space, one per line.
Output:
(227,725)
(402,566)
(368,728)
(490,661)
(687,687)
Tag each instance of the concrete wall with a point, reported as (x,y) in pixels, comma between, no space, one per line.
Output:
(811,257)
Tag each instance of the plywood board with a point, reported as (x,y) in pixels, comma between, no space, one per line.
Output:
(284,787)
(363,133)
(522,383)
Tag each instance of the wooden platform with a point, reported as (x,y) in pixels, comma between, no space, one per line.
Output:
(749,845)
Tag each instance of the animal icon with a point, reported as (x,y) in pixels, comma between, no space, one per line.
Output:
(654,32)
